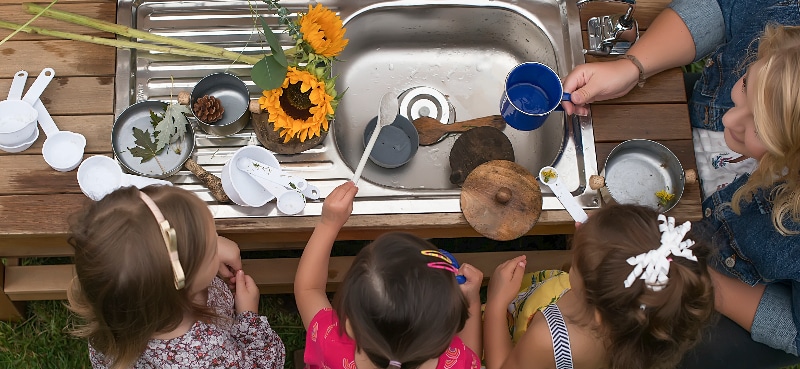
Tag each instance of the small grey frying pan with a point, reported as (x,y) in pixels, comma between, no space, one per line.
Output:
(636,170)
(168,162)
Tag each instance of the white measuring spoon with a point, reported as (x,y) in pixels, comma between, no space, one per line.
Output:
(289,201)
(276,174)
(17,85)
(550,177)
(62,150)
(100,175)
(386,114)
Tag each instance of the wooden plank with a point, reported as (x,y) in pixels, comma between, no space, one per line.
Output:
(50,282)
(72,95)
(659,122)
(66,57)
(30,174)
(9,310)
(644,13)
(96,129)
(105,11)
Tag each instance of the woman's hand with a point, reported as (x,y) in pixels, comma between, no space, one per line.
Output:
(505,282)
(230,261)
(247,294)
(598,81)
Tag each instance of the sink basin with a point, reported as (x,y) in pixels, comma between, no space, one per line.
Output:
(447,59)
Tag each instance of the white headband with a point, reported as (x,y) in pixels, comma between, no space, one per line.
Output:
(653,266)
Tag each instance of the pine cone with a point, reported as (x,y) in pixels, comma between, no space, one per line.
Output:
(208,109)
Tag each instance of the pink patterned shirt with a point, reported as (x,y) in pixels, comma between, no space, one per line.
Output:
(326,349)
(247,341)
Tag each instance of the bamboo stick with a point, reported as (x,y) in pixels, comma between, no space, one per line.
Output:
(134,33)
(126,44)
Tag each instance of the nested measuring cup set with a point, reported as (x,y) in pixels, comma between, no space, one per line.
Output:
(62,150)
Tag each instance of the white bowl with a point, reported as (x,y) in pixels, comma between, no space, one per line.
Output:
(63,151)
(23,146)
(241,188)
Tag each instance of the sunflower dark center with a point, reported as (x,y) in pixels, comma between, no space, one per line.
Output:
(296,103)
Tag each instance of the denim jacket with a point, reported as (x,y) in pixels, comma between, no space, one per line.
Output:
(748,246)
(726,31)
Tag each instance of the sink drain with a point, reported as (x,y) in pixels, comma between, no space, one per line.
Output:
(426,102)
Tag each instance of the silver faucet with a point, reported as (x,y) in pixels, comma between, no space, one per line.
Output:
(611,34)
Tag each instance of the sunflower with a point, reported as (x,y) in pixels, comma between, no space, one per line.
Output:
(322,30)
(300,108)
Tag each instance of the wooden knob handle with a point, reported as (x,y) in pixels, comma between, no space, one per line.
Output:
(184,98)
(595,181)
(254,106)
(690,176)
(503,195)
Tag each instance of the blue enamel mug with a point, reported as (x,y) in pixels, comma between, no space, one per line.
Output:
(532,91)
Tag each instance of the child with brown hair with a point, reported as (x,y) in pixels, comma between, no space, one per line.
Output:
(146,287)
(638,296)
(399,305)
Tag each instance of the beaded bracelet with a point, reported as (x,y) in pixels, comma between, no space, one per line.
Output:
(638,65)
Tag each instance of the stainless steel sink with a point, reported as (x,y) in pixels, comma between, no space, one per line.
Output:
(444,56)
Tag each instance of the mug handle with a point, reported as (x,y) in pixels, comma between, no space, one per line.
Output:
(566,96)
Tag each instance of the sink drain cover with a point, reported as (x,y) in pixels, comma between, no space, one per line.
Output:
(426,102)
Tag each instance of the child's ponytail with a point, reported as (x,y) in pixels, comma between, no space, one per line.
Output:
(651,322)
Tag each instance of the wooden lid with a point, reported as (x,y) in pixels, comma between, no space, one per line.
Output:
(501,200)
(475,147)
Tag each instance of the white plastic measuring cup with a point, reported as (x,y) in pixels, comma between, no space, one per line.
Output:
(550,177)
(100,175)
(62,150)
(18,117)
(290,201)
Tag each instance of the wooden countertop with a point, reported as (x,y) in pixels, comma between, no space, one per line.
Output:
(36,200)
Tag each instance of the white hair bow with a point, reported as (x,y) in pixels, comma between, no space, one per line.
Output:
(653,266)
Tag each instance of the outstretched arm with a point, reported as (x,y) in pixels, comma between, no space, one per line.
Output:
(312,271)
(503,287)
(471,334)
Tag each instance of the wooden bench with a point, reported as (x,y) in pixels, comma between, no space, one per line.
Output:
(34,199)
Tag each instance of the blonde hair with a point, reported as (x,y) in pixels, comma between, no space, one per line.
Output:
(776,113)
(124,290)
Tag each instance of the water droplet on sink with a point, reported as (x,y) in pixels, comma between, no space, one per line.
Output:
(391,66)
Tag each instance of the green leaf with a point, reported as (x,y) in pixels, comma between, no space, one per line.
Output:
(155,118)
(173,126)
(274,44)
(268,74)
(146,148)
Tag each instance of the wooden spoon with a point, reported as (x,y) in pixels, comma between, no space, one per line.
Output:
(432,131)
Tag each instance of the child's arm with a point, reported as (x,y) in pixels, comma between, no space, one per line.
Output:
(471,334)
(312,272)
(503,287)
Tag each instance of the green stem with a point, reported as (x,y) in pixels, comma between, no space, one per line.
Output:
(123,44)
(134,33)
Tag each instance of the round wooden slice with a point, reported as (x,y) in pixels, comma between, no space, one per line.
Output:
(475,147)
(270,138)
(501,200)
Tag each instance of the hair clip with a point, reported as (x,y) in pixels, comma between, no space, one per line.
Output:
(653,266)
(170,240)
(449,260)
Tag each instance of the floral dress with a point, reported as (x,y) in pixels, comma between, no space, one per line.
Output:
(327,349)
(247,341)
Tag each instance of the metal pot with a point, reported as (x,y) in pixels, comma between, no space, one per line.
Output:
(234,97)
(636,169)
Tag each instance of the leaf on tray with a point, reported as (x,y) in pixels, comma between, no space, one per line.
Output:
(146,148)
(172,126)
(155,118)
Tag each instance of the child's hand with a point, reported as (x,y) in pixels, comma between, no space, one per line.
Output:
(339,204)
(247,295)
(472,287)
(230,260)
(505,282)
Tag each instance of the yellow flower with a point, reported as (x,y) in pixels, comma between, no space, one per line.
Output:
(322,30)
(300,107)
